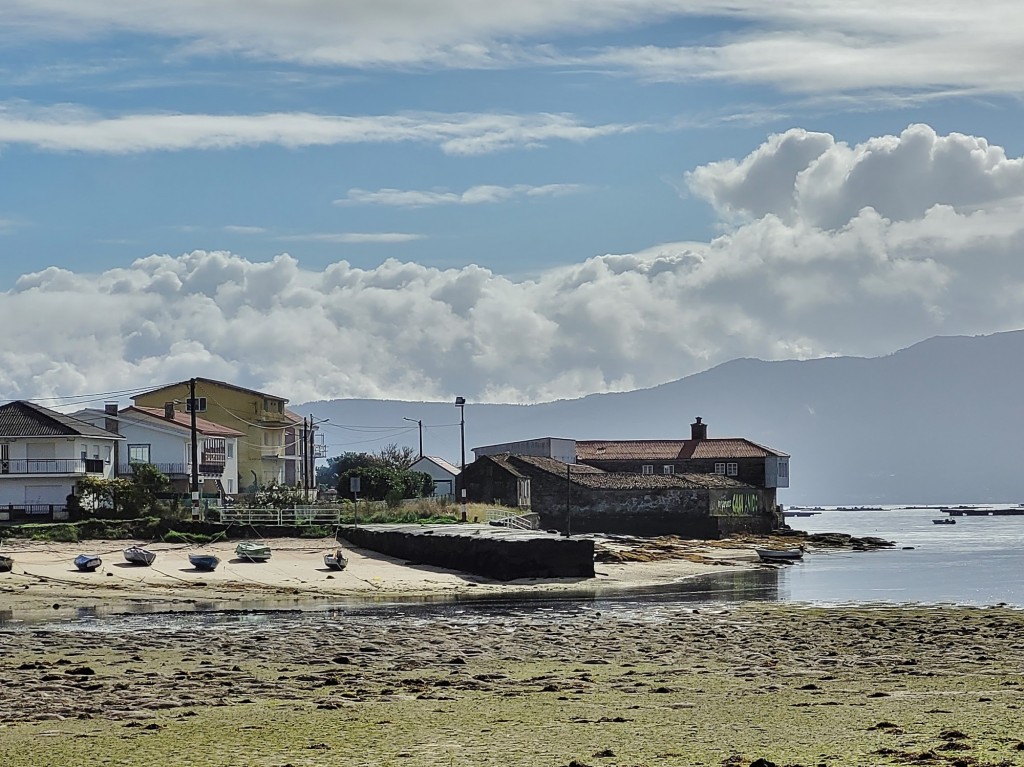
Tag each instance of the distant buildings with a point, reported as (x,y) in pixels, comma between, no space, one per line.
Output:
(698,487)
(442,472)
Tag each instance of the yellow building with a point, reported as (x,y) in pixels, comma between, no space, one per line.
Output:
(271,452)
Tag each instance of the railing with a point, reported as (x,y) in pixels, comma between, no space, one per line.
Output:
(51,466)
(301,515)
(33,512)
(508,518)
(170,469)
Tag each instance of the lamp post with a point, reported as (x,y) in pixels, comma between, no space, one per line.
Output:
(194,483)
(460,403)
(420,424)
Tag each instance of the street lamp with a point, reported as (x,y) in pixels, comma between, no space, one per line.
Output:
(460,403)
(420,424)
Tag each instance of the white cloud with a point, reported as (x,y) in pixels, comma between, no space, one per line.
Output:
(825,272)
(475,195)
(804,46)
(69,128)
(241,229)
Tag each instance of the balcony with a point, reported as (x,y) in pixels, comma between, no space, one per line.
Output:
(170,469)
(52,466)
(271,452)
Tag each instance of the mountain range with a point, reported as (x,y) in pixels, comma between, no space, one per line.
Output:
(940,422)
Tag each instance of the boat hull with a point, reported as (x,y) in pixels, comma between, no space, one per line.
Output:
(137,555)
(335,560)
(87,563)
(6,564)
(252,552)
(203,561)
(780,555)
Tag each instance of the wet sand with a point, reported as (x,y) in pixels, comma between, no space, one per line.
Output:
(45,582)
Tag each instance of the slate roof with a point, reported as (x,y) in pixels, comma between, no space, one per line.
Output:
(26,419)
(671,449)
(589,476)
(204,427)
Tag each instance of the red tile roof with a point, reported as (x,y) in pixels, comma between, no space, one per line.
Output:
(670,449)
(208,428)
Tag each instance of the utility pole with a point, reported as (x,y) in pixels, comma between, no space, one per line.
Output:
(568,497)
(308,449)
(192,405)
(420,424)
(305,458)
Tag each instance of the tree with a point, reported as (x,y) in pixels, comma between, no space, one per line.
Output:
(388,457)
(394,457)
(378,483)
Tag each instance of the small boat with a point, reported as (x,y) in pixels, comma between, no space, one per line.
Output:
(139,556)
(945,521)
(87,563)
(204,561)
(251,551)
(780,555)
(335,560)
(6,564)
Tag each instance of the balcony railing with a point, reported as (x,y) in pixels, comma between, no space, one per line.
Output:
(170,469)
(52,466)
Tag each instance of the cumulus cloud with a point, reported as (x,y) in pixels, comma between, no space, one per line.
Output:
(475,195)
(72,128)
(873,247)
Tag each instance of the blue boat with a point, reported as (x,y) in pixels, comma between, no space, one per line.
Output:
(204,561)
(88,563)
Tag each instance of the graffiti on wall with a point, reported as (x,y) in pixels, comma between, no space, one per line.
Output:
(736,505)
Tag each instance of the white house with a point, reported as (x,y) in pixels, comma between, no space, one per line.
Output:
(442,472)
(43,454)
(163,438)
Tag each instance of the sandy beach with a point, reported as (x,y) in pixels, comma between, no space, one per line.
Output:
(45,582)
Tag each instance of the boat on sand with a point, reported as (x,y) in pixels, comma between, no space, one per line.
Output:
(88,563)
(137,555)
(944,521)
(251,551)
(6,564)
(203,561)
(335,560)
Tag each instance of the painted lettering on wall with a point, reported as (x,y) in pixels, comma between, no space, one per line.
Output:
(737,505)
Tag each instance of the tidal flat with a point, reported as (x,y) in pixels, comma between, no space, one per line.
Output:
(673,685)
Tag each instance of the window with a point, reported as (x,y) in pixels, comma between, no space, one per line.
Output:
(230,485)
(783,469)
(138,453)
(229,450)
(200,405)
(732,469)
(647,469)
(668,469)
(107,451)
(272,405)
(719,468)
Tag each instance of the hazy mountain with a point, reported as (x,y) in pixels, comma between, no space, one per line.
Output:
(939,422)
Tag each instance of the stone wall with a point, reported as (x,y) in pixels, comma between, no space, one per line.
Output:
(497,554)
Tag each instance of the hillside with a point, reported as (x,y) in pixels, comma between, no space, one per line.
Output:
(938,422)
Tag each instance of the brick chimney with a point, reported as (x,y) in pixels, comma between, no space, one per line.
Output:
(169,411)
(698,430)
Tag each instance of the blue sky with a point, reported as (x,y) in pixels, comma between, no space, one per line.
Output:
(517,202)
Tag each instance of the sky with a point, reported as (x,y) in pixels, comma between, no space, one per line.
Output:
(510,202)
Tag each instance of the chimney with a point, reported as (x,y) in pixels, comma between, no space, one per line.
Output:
(698,430)
(110,408)
(169,411)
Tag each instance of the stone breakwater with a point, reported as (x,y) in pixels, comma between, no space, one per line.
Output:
(650,684)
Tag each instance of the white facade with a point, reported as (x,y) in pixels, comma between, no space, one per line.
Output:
(563,450)
(43,454)
(442,472)
(167,445)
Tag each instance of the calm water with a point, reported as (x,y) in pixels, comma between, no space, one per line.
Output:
(978,561)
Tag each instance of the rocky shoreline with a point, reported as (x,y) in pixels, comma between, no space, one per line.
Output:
(662,684)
